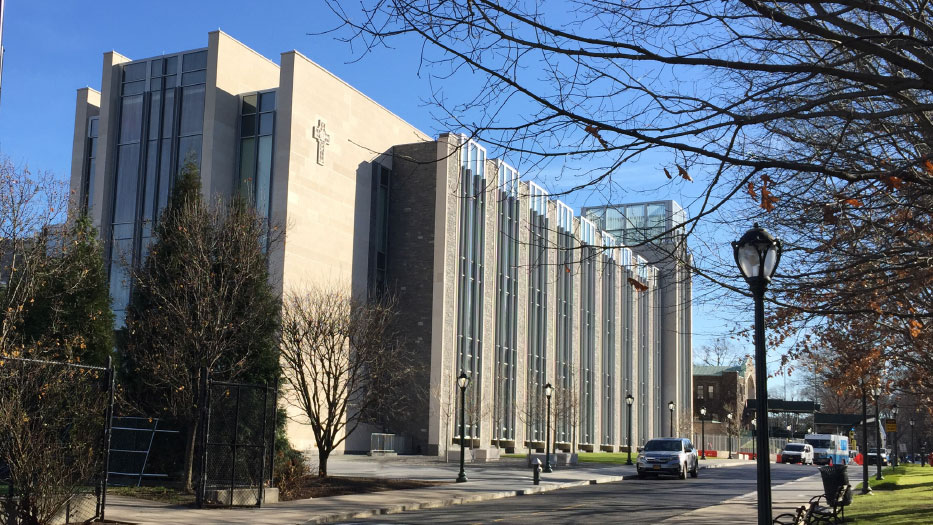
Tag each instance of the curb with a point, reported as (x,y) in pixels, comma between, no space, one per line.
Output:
(449,502)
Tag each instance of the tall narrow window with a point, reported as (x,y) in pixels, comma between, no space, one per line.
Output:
(644,353)
(379,228)
(568,404)
(587,332)
(628,328)
(470,295)
(537,312)
(257,129)
(90,165)
(609,294)
(655,292)
(506,305)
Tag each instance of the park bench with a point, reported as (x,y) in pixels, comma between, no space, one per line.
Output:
(828,507)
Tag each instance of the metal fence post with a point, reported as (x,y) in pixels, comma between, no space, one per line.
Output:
(236,428)
(108,434)
(204,419)
(275,414)
(262,456)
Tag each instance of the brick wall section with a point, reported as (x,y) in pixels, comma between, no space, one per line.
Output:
(410,266)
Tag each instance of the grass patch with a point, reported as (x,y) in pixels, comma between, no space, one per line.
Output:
(902,498)
(316,487)
(618,458)
(160,494)
(515,456)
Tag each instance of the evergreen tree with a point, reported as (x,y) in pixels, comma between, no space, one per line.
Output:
(69,314)
(201,299)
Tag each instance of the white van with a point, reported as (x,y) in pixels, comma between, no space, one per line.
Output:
(797,453)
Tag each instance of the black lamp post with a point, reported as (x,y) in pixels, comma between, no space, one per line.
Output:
(462,382)
(879,448)
(670,406)
(729,432)
(757,255)
(894,415)
(866,489)
(548,390)
(913,454)
(703,430)
(629,400)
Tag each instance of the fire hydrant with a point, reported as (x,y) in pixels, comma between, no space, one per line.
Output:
(536,470)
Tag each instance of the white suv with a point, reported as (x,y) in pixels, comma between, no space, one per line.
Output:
(672,456)
(797,453)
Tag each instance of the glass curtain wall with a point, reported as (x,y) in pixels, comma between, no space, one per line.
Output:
(470,297)
(506,305)
(257,131)
(161,121)
(568,404)
(588,332)
(537,312)
(90,165)
(609,294)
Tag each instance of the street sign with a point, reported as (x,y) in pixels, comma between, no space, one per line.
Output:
(890,425)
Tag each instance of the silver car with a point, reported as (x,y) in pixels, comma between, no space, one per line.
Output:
(672,456)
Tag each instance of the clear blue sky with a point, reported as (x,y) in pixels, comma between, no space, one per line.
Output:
(54,48)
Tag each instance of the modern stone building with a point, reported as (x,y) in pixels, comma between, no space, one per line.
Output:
(494,278)
(655,231)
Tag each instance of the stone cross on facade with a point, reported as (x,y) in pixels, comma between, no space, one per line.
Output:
(323,139)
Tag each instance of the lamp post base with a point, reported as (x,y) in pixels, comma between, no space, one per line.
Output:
(461,478)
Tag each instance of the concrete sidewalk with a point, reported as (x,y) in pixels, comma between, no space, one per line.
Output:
(488,481)
(785,498)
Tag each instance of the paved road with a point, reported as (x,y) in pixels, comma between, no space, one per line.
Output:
(631,501)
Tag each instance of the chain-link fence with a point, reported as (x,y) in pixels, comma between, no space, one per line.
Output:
(54,432)
(744,443)
(237,431)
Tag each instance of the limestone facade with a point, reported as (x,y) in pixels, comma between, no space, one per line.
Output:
(494,277)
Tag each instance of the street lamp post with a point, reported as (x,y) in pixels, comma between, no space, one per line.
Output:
(729,432)
(757,255)
(894,415)
(628,401)
(462,382)
(866,489)
(548,390)
(913,453)
(703,427)
(790,432)
(670,406)
(879,449)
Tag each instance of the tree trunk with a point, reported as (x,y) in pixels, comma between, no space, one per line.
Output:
(189,457)
(322,455)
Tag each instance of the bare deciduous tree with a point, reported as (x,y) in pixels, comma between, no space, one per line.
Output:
(51,431)
(345,364)
(719,352)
